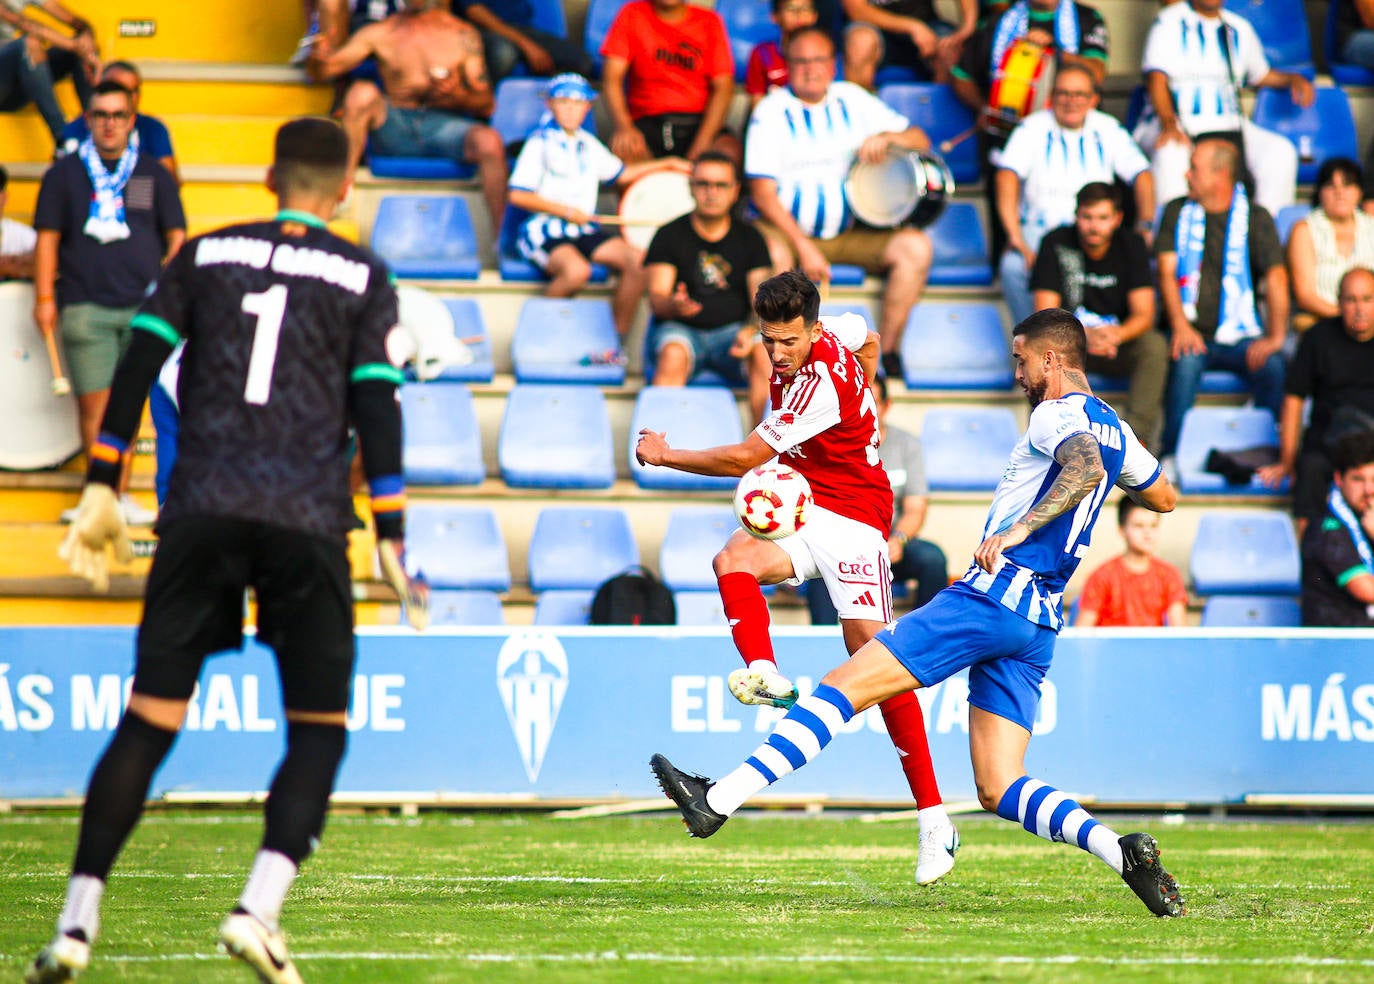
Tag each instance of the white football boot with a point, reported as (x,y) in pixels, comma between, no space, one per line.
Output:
(759,685)
(935,855)
(244,937)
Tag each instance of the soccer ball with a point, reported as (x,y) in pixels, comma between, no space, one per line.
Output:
(771,501)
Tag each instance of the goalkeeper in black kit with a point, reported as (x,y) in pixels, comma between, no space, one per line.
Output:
(285,327)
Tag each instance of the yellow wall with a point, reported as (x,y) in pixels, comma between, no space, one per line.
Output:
(198,30)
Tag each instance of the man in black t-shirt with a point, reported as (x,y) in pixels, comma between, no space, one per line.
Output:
(1101,272)
(703,269)
(1337,561)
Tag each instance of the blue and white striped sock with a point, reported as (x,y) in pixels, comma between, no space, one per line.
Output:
(799,737)
(1048,813)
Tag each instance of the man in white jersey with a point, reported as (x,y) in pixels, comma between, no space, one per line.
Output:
(801,143)
(825,425)
(1197,57)
(1000,621)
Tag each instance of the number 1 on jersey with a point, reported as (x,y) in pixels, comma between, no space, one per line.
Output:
(270,309)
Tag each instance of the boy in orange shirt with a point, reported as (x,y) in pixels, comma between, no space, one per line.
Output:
(1136,588)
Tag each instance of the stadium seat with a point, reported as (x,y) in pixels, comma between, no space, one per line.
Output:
(692,417)
(1288,217)
(700,608)
(580,547)
(1324,129)
(600,15)
(556,437)
(694,535)
(465,608)
(1245,551)
(515,267)
(420,168)
(966,449)
(548,16)
(861,308)
(1223,429)
(563,607)
(456,546)
(519,105)
(961,248)
(935,108)
(426,237)
(846,275)
(1282,29)
(747,23)
(470,329)
(1135,108)
(952,345)
(1343,73)
(566,340)
(442,444)
(1251,611)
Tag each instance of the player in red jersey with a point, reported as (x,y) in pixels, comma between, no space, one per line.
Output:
(824,423)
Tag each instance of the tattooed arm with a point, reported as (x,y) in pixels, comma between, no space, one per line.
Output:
(1080,461)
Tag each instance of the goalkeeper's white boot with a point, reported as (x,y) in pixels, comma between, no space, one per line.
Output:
(761,683)
(263,949)
(935,855)
(61,960)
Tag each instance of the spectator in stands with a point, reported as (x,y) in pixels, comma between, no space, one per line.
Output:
(153,138)
(335,20)
(1336,236)
(1048,158)
(797,175)
(436,90)
(905,33)
(557,177)
(34,57)
(16,240)
(106,219)
(911,557)
(1101,272)
(1355,32)
(510,40)
(703,269)
(668,81)
(1334,368)
(1337,561)
(767,68)
(1216,252)
(1134,588)
(1197,57)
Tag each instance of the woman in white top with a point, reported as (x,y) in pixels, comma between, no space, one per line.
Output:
(1334,237)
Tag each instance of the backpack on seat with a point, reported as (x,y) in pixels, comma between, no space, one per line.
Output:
(633,597)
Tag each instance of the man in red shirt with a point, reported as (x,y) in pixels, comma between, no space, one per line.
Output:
(1135,588)
(667,81)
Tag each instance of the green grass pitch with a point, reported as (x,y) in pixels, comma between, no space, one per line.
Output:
(773,897)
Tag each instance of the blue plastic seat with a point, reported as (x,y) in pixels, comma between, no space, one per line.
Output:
(1252,611)
(935,108)
(692,417)
(471,329)
(956,346)
(566,340)
(519,105)
(515,267)
(961,248)
(426,237)
(600,15)
(456,546)
(548,16)
(556,437)
(441,444)
(694,536)
(1282,29)
(1223,429)
(1288,217)
(419,168)
(1343,73)
(747,23)
(1245,551)
(1324,129)
(699,608)
(966,448)
(563,607)
(580,547)
(861,308)
(465,608)
(846,275)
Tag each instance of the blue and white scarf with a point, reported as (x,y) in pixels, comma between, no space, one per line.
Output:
(1342,511)
(1236,318)
(1016,21)
(106,222)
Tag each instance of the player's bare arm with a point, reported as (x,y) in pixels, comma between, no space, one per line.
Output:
(728,459)
(868,355)
(1160,495)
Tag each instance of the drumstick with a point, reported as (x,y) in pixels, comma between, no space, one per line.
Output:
(823,288)
(947,145)
(620,220)
(60,385)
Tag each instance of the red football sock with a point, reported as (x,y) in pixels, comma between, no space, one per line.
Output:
(747,613)
(906,725)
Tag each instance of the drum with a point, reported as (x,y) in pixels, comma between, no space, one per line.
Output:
(651,202)
(1020,86)
(905,188)
(49,434)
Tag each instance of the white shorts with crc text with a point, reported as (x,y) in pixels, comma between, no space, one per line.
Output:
(850,556)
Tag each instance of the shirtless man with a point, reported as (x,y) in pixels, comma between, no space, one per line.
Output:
(436,81)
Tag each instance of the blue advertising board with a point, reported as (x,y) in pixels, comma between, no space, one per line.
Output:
(1198,716)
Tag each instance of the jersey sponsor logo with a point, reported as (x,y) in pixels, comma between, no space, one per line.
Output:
(861,568)
(865,600)
(532,676)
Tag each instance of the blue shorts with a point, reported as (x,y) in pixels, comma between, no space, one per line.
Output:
(1006,655)
(709,347)
(422,133)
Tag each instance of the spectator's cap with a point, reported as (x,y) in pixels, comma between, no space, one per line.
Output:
(570,85)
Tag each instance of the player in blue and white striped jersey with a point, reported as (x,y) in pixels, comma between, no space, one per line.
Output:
(1000,621)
